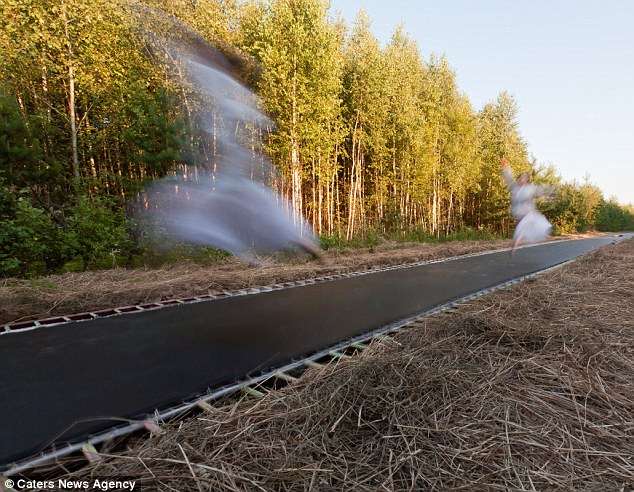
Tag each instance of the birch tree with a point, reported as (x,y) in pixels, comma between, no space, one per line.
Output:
(451,146)
(366,105)
(405,145)
(298,47)
(498,136)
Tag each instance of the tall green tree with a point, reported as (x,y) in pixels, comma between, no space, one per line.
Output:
(611,216)
(405,145)
(498,136)
(215,20)
(20,150)
(298,47)
(366,114)
(451,152)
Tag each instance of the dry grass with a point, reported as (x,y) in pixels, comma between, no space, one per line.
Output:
(531,388)
(78,292)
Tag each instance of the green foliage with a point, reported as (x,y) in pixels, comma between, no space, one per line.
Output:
(27,237)
(8,199)
(571,207)
(417,235)
(19,150)
(369,140)
(414,235)
(153,256)
(338,241)
(365,112)
(86,234)
(156,133)
(299,49)
(498,136)
(421,235)
(562,211)
(97,231)
(612,217)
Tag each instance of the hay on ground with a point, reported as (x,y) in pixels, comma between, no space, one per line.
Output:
(531,388)
(70,293)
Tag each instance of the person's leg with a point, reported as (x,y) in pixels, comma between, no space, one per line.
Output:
(518,234)
(516,242)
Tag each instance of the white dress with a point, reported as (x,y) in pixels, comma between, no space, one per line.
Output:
(532,226)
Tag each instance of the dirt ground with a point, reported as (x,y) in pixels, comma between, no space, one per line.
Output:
(529,388)
(70,293)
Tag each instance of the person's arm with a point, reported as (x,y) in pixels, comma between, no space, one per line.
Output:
(507,172)
(546,191)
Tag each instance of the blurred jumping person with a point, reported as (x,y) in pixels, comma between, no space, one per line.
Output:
(531,226)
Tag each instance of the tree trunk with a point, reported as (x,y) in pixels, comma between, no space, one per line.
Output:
(71,95)
(296,178)
(352,191)
(321,184)
(449,214)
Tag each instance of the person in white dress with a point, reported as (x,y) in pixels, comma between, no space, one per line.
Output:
(532,226)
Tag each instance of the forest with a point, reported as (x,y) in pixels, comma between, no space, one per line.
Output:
(369,140)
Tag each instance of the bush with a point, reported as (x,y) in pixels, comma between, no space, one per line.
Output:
(28,237)
(35,241)
(420,235)
(612,217)
(337,241)
(416,235)
(98,232)
(152,255)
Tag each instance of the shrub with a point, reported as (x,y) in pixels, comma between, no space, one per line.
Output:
(97,231)
(27,237)
(34,241)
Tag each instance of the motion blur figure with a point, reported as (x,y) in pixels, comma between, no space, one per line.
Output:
(532,226)
(228,202)
(228,212)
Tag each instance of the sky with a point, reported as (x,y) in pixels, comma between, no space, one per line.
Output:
(568,63)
